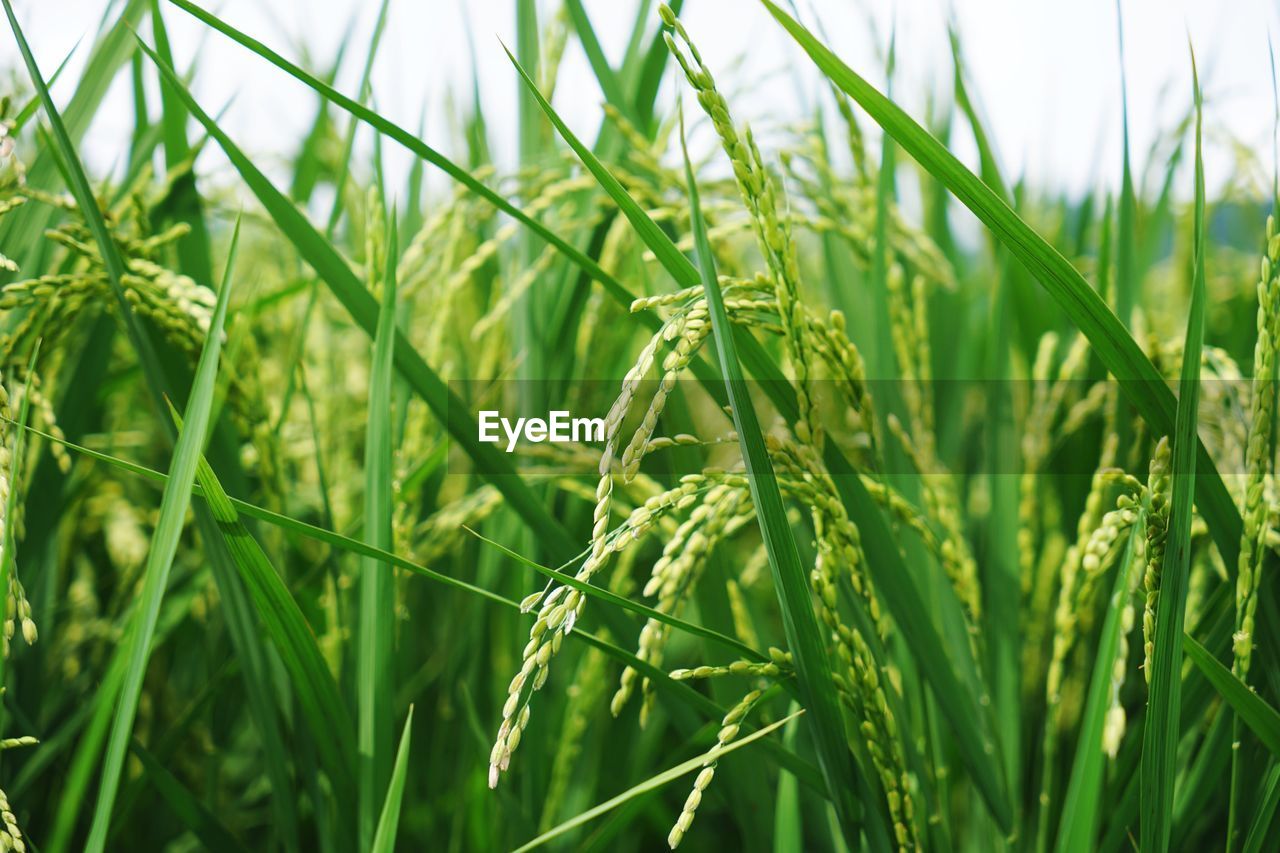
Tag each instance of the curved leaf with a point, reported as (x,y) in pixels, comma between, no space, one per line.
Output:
(1139,380)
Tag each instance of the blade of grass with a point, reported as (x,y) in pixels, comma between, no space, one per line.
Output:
(141,113)
(1251,708)
(322,707)
(193,814)
(308,163)
(164,546)
(375,641)
(788,821)
(650,784)
(530,316)
(648,74)
(384,840)
(989,165)
(1127,281)
(605,76)
(416,184)
(1162,732)
(1264,819)
(349,138)
(185,204)
(800,623)
(1138,378)
(529,130)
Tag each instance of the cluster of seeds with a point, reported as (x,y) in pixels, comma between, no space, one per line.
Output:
(673,577)
(779,664)
(730,726)
(1258,461)
(1160,485)
(10,834)
(17,610)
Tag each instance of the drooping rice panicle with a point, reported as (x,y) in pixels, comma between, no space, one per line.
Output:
(673,577)
(689,332)
(1114,727)
(730,726)
(773,231)
(1259,455)
(943,506)
(1159,484)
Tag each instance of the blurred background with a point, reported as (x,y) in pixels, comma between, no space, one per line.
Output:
(1048,74)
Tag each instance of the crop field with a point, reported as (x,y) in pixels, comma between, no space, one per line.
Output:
(828,485)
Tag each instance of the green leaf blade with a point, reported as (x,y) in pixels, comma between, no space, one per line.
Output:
(375,640)
(164,547)
(1162,732)
(384,840)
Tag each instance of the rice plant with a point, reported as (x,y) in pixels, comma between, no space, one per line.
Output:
(696,484)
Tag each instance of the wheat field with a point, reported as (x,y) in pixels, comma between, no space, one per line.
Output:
(678,486)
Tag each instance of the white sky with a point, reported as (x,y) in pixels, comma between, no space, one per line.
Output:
(1046,74)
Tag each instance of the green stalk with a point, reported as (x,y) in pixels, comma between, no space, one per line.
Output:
(375,642)
(1160,741)
(1001,582)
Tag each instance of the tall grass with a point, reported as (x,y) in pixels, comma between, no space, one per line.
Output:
(815,588)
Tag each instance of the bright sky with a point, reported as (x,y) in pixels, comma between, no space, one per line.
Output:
(1046,74)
